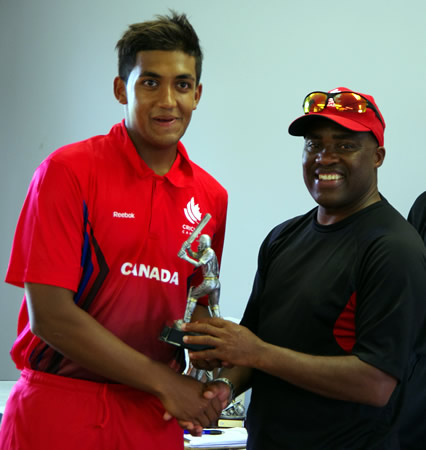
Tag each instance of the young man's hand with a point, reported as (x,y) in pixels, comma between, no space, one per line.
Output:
(216,392)
(191,403)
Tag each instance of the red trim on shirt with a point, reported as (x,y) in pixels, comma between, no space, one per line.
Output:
(344,327)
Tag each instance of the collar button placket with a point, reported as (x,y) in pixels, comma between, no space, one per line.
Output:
(151,206)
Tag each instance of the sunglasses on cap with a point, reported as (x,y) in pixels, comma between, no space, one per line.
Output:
(317,101)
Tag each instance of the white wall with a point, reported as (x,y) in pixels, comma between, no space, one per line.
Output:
(261,58)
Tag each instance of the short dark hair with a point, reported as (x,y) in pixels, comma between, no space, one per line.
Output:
(173,32)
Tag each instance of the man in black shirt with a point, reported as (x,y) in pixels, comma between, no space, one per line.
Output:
(334,324)
(417,215)
(413,423)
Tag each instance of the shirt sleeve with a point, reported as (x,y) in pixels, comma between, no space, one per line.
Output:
(48,238)
(391,303)
(251,314)
(417,215)
(219,235)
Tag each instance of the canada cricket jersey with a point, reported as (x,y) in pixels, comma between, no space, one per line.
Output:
(98,221)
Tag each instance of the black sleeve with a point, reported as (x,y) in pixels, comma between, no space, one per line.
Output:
(391,306)
(417,215)
(251,314)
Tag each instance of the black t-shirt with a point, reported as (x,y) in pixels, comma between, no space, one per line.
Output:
(417,215)
(354,287)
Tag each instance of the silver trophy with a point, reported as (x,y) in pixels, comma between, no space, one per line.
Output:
(204,257)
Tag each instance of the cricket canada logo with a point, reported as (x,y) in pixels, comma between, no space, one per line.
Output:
(193,214)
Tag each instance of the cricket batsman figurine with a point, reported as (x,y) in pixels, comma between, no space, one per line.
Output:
(204,257)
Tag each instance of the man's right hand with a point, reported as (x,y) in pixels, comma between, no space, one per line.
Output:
(194,406)
(215,392)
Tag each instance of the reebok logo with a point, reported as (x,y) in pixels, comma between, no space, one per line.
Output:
(123,215)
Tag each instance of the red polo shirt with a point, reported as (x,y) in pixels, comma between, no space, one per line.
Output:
(97,220)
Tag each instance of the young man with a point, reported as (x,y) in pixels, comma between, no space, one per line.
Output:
(335,321)
(96,249)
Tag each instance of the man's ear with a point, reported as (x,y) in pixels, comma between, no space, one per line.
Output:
(120,90)
(197,96)
(380,156)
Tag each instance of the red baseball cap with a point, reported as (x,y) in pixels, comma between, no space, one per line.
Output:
(370,120)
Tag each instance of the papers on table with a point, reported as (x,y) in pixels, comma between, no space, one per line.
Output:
(229,437)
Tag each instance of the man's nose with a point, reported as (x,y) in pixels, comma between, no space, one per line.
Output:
(167,97)
(327,155)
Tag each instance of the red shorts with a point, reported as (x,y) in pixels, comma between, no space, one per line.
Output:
(50,412)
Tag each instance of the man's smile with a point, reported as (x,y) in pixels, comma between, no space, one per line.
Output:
(329,176)
(165,120)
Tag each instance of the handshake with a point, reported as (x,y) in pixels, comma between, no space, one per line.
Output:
(231,348)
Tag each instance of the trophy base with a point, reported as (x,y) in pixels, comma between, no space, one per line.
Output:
(175,337)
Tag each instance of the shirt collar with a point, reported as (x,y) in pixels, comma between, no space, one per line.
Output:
(181,173)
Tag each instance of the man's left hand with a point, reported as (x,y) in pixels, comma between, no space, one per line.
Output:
(232,344)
